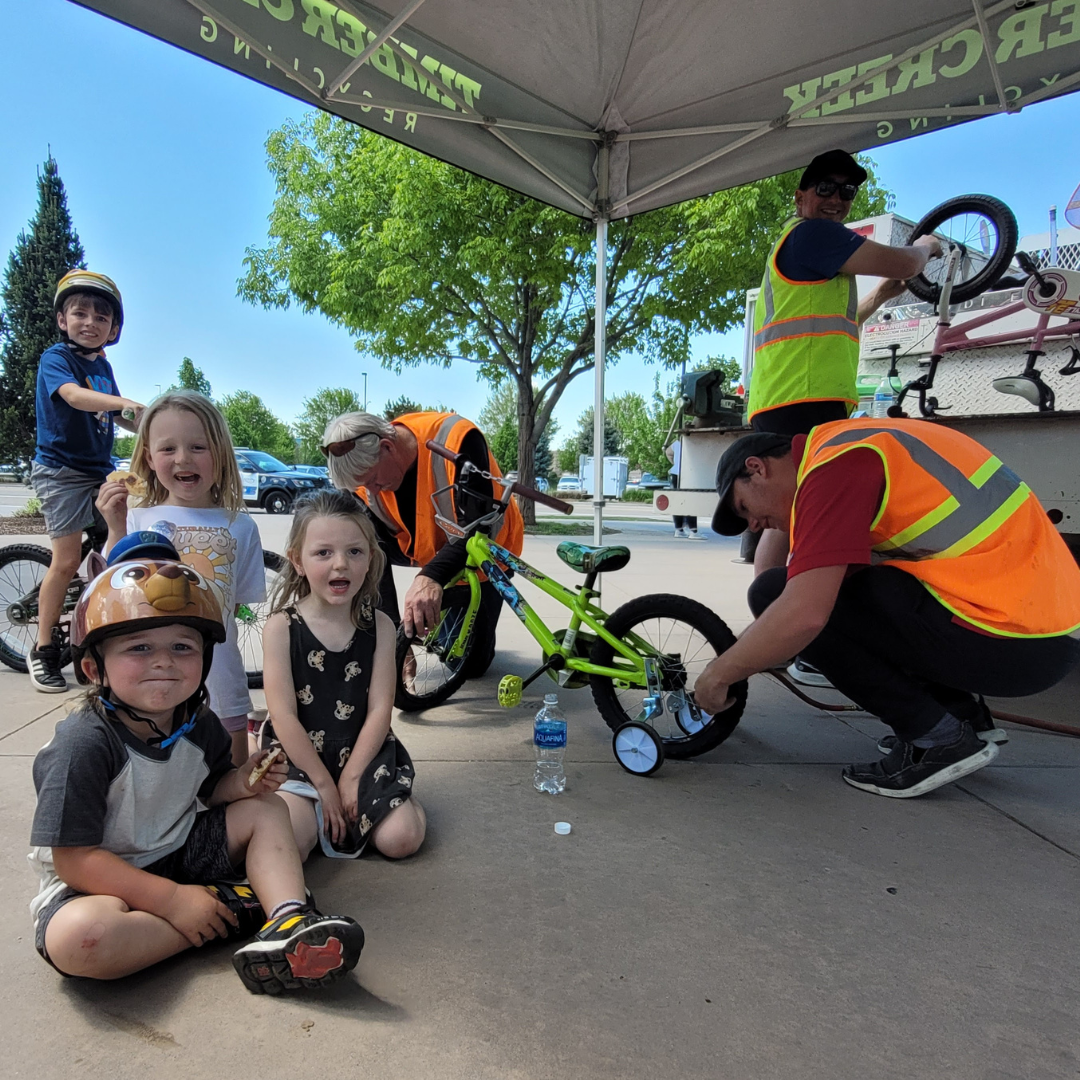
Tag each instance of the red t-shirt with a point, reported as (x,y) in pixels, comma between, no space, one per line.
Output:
(834,508)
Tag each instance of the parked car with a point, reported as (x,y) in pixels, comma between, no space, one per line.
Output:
(272,484)
(313,470)
(653,483)
(568,485)
(123,464)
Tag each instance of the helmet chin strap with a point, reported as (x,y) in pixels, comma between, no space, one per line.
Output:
(80,349)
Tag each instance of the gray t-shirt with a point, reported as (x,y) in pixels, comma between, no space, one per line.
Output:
(100,786)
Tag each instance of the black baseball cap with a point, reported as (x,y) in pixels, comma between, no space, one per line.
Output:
(758,444)
(832,163)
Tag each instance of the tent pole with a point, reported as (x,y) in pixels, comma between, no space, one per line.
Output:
(598,397)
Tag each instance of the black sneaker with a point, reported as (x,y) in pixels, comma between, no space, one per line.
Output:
(983,726)
(44,668)
(908,771)
(244,904)
(801,672)
(299,949)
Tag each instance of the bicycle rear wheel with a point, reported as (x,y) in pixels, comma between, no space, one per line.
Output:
(685,637)
(984,228)
(251,618)
(22,569)
(426,674)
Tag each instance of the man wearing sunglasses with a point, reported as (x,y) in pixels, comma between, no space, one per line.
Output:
(808,314)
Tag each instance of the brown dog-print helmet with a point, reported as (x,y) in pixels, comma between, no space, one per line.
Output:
(137,595)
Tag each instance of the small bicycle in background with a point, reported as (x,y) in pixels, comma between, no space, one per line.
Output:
(23,567)
(641,661)
(979,236)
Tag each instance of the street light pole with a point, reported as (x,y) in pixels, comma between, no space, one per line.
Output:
(364,373)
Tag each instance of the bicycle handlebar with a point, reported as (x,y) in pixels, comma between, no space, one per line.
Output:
(515,487)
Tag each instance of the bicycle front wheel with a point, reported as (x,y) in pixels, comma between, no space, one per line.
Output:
(684,637)
(984,228)
(22,569)
(251,618)
(427,674)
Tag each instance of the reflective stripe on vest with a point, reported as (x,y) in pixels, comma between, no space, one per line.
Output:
(976,506)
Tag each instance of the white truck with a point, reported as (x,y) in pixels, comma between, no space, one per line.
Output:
(1042,446)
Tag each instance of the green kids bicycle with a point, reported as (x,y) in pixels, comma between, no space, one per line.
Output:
(641,661)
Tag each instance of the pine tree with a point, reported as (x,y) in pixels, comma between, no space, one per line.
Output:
(41,257)
(189,377)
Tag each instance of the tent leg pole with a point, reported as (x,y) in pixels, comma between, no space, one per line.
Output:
(598,399)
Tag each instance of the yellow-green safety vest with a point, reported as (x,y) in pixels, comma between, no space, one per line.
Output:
(806,338)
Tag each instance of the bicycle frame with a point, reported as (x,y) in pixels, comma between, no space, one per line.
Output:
(485,556)
(949,338)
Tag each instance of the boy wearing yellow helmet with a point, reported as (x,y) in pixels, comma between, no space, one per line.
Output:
(77,403)
(143,827)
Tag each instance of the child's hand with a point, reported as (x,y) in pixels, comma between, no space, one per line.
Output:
(334,823)
(271,779)
(349,793)
(112,502)
(198,914)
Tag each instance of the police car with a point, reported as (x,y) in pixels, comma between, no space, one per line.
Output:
(270,483)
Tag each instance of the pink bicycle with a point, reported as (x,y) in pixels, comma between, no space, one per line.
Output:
(979,235)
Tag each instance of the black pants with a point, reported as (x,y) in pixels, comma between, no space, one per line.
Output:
(895,651)
(682,521)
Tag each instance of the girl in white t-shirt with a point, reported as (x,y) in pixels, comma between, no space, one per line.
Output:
(195,497)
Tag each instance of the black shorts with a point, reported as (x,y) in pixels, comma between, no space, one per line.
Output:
(202,860)
(799,417)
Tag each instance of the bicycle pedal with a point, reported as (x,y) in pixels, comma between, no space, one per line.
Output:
(510,689)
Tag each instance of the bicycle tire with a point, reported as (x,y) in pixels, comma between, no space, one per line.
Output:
(251,620)
(17,641)
(677,742)
(1004,222)
(434,680)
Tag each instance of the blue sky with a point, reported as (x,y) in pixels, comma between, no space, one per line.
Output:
(162,156)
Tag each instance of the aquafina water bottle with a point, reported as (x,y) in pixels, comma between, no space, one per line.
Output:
(549,741)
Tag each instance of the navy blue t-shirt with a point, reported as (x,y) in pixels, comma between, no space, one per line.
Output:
(816,249)
(66,436)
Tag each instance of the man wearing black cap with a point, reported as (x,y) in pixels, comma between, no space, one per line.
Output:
(808,314)
(923,574)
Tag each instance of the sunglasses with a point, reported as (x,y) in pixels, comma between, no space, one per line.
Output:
(338,449)
(828,188)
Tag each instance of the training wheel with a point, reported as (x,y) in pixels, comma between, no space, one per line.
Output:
(510,691)
(638,748)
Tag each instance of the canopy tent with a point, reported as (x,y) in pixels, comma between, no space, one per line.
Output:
(616,107)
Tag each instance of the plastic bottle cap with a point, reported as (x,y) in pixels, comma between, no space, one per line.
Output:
(562,828)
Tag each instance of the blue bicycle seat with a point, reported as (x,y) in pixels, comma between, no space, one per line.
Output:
(586,559)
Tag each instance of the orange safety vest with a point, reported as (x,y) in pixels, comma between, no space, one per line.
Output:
(433,473)
(963,523)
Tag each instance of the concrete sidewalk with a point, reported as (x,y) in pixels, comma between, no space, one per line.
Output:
(742,915)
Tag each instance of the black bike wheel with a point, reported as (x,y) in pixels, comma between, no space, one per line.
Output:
(687,635)
(433,677)
(986,230)
(22,569)
(251,618)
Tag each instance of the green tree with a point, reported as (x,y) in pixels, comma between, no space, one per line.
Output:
(504,445)
(402,405)
(40,258)
(425,263)
(123,446)
(253,425)
(189,377)
(319,410)
(581,442)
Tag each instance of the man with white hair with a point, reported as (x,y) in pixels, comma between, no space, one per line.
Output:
(388,464)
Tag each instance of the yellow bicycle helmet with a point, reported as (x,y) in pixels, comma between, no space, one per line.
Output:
(86,281)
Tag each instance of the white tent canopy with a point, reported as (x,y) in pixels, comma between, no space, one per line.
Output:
(613,108)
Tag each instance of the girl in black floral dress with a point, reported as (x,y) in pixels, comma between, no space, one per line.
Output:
(328,663)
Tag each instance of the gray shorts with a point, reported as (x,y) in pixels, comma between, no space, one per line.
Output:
(202,860)
(67,498)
